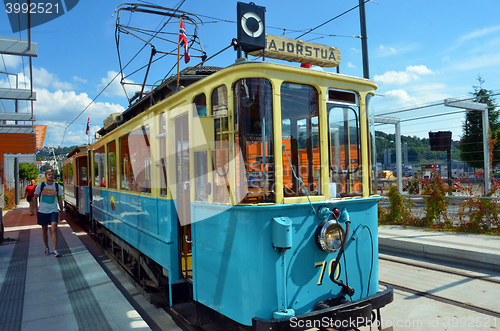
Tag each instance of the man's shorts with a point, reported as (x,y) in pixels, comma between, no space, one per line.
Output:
(46,219)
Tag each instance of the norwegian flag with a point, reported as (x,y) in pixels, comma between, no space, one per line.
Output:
(88,126)
(183,41)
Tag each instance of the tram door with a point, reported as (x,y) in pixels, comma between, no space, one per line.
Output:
(183,190)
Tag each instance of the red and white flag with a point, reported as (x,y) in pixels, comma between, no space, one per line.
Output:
(183,41)
(88,126)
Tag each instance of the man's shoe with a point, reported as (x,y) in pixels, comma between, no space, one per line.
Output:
(47,252)
(55,253)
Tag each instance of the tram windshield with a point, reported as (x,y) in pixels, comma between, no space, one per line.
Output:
(255,138)
(343,136)
(300,140)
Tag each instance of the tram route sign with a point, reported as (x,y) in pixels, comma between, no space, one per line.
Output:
(251,26)
(38,11)
(294,50)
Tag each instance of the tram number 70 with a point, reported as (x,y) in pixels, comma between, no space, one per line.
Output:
(322,264)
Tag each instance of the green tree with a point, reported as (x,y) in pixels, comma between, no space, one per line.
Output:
(471,142)
(28,171)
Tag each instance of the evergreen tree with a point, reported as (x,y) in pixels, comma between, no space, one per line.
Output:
(471,142)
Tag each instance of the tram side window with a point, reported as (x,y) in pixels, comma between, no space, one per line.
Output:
(112,164)
(200,103)
(343,136)
(68,173)
(162,144)
(201,185)
(136,160)
(99,167)
(300,140)
(221,150)
(253,110)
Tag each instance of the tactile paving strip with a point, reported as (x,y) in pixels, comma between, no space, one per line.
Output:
(12,292)
(88,313)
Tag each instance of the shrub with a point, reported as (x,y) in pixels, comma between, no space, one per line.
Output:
(9,198)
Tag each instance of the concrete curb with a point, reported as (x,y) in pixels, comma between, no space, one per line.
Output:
(471,250)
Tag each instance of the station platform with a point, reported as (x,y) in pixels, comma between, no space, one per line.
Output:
(83,290)
(80,290)
(475,250)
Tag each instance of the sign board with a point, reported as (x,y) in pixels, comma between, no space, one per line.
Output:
(294,50)
(251,26)
(440,141)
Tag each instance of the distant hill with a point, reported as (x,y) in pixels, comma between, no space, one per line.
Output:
(46,153)
(419,150)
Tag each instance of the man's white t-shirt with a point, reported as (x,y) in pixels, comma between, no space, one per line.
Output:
(47,202)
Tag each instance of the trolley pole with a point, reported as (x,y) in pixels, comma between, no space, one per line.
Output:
(364,40)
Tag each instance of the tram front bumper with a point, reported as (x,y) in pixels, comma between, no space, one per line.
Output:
(349,315)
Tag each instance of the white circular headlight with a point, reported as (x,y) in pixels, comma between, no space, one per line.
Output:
(329,236)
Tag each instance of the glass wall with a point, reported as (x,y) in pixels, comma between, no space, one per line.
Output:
(300,140)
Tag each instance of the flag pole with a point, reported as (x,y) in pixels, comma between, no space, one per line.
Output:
(178,53)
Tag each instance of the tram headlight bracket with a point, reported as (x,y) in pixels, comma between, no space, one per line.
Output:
(329,235)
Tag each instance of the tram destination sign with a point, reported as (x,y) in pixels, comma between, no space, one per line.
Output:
(294,50)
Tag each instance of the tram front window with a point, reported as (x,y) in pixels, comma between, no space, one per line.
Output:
(300,140)
(255,138)
(343,137)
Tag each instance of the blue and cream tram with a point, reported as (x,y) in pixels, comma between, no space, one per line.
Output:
(75,182)
(242,188)
(245,193)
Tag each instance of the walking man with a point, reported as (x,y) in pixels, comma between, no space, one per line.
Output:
(46,209)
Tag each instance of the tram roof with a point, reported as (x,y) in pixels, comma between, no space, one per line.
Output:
(76,150)
(192,75)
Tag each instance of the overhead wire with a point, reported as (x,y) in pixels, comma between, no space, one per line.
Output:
(121,71)
(217,20)
(334,18)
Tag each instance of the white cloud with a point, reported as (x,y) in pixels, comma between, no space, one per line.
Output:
(393,77)
(350,65)
(479,33)
(399,96)
(79,79)
(384,51)
(419,70)
(491,60)
(115,88)
(42,78)
(66,105)
(402,77)
(10,61)
(62,86)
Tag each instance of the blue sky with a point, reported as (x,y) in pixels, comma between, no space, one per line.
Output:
(419,54)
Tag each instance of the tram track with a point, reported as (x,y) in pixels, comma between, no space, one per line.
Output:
(447,270)
(442,299)
(439,269)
